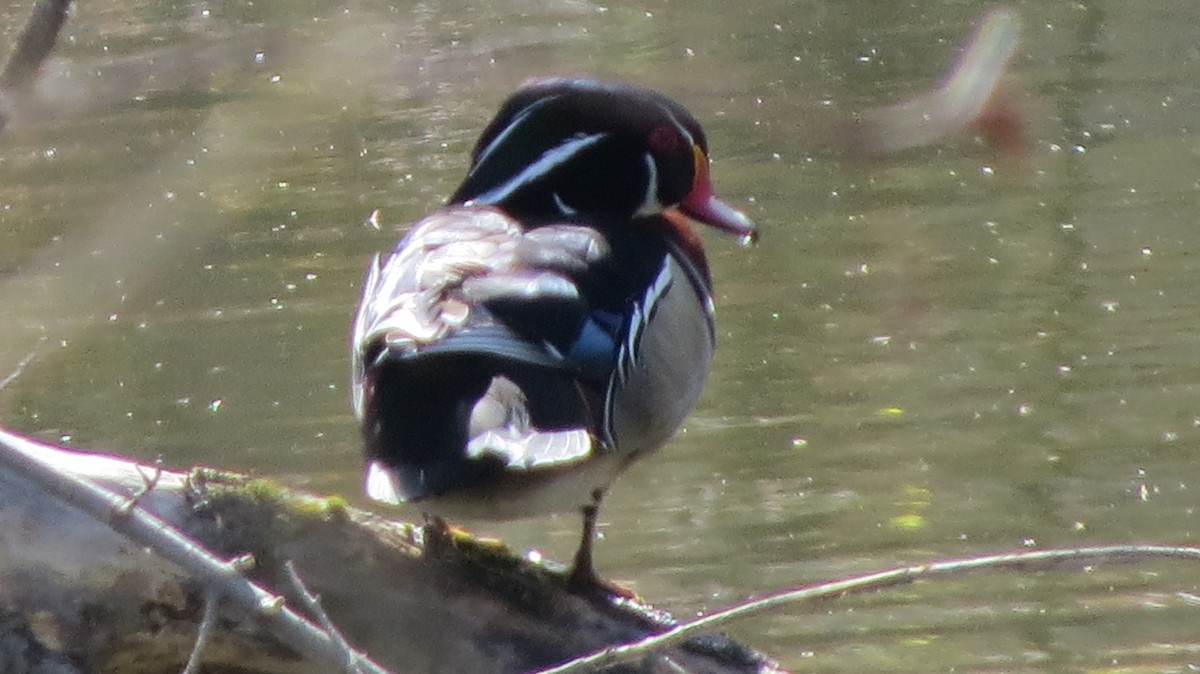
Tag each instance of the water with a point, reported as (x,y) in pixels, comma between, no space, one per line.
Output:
(930,356)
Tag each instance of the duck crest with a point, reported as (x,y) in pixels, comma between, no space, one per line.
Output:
(572,148)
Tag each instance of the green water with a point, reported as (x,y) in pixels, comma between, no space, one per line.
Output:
(930,356)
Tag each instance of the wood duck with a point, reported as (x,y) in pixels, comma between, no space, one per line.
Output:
(554,322)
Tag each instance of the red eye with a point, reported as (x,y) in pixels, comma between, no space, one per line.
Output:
(665,140)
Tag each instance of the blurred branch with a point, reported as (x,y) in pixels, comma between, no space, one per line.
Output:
(959,102)
(970,96)
(34,45)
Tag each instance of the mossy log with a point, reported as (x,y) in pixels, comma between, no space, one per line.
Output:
(76,596)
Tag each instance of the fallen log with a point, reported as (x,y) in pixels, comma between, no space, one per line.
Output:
(77,596)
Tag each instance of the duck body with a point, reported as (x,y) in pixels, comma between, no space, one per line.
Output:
(521,346)
(514,372)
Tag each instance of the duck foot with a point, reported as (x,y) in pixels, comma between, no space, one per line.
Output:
(583,579)
(437,538)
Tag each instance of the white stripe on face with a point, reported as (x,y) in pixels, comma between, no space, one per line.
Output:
(650,204)
(550,159)
(682,129)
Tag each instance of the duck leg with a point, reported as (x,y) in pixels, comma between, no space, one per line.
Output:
(438,539)
(583,574)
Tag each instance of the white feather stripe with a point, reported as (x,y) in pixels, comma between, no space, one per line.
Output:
(627,354)
(529,449)
(503,136)
(550,160)
(654,293)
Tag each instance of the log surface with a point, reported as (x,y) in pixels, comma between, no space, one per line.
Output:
(75,596)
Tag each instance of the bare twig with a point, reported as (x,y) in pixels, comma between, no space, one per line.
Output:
(1039,560)
(211,600)
(350,659)
(20,455)
(20,368)
(148,483)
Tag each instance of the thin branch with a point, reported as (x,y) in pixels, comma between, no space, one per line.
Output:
(20,455)
(211,600)
(149,482)
(350,659)
(20,368)
(1039,560)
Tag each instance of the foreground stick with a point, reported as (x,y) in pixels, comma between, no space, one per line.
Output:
(125,515)
(468,607)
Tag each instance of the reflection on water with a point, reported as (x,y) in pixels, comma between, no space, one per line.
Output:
(930,356)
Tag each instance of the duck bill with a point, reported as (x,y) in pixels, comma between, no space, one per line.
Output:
(703,205)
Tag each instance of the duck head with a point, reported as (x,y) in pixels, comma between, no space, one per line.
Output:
(578,148)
